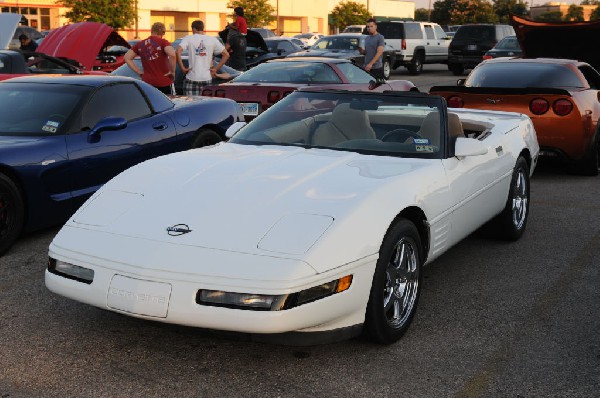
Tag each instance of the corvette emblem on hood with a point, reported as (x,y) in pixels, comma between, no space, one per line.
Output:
(178,229)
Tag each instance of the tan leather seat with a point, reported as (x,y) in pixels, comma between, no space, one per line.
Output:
(430,128)
(345,124)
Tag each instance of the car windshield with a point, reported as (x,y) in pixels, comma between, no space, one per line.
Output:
(290,72)
(522,75)
(37,109)
(336,43)
(508,43)
(391,124)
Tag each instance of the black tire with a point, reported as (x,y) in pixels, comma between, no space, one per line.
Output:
(396,284)
(590,164)
(416,66)
(457,69)
(387,69)
(206,137)
(12,213)
(511,223)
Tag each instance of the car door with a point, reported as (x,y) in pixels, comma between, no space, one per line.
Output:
(478,184)
(99,157)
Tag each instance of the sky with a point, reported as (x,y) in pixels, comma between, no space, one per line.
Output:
(425,3)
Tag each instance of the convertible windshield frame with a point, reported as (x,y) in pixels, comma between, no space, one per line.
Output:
(407,124)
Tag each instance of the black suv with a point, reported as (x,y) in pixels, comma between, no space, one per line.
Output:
(471,42)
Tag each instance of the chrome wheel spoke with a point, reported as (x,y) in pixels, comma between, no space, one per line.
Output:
(401,283)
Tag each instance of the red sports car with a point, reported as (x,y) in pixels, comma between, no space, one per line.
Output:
(265,84)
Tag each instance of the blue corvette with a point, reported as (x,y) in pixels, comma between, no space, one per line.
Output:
(63,137)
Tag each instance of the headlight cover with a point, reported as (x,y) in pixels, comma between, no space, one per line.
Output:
(264,302)
(70,271)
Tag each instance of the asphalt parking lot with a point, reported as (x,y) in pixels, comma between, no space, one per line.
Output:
(495,319)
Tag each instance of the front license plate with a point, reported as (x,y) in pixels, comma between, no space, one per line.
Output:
(139,296)
(249,108)
(472,47)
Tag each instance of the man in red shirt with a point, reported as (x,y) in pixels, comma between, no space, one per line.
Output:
(240,22)
(158,59)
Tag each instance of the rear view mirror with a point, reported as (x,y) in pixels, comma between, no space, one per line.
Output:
(469,147)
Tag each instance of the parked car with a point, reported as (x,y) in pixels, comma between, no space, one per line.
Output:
(345,46)
(225,74)
(265,33)
(354,29)
(88,43)
(62,137)
(259,88)
(471,42)
(507,47)
(259,49)
(415,43)
(305,226)
(15,63)
(308,38)
(561,96)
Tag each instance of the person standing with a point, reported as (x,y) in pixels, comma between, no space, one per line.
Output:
(236,46)
(201,50)
(373,51)
(158,59)
(26,43)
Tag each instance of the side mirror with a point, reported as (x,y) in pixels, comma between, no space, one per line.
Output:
(110,123)
(234,128)
(461,82)
(469,147)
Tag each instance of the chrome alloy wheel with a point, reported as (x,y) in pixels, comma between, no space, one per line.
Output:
(520,199)
(401,284)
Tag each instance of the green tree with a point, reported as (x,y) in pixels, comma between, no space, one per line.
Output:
(117,14)
(349,13)
(595,14)
(503,8)
(258,13)
(551,16)
(459,12)
(421,14)
(574,13)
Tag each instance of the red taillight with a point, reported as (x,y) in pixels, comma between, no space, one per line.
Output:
(404,44)
(207,93)
(562,107)
(539,106)
(220,93)
(273,96)
(487,57)
(455,102)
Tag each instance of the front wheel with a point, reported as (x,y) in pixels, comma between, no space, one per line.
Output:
(510,224)
(12,213)
(206,137)
(396,284)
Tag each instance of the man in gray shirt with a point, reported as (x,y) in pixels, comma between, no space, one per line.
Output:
(374,45)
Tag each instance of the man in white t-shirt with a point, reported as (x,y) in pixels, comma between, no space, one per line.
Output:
(201,50)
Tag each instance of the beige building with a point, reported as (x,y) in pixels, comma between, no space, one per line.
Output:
(292,16)
(553,6)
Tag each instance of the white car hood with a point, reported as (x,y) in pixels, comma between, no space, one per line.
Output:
(8,25)
(276,201)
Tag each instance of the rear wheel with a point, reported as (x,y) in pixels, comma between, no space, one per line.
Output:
(590,164)
(206,137)
(12,213)
(416,66)
(396,284)
(510,224)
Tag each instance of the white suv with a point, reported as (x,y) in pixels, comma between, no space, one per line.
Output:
(416,43)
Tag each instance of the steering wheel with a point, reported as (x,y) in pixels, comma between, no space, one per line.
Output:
(399,135)
(56,117)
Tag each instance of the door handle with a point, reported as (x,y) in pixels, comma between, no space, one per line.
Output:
(160,126)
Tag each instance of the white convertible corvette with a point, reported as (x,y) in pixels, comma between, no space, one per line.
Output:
(316,217)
